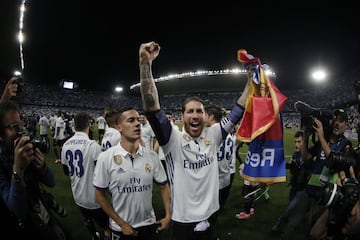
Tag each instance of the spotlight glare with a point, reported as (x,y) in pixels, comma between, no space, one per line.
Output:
(319,75)
(21,37)
(118,89)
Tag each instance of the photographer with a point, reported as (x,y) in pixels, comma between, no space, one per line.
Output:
(22,171)
(350,226)
(330,140)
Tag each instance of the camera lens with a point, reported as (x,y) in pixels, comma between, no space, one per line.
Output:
(40,144)
(340,200)
(341,161)
(331,196)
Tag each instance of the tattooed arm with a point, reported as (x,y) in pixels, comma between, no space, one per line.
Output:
(149,94)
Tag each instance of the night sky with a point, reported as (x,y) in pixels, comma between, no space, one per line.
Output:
(96,44)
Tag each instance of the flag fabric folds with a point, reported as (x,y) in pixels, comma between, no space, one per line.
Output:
(261,125)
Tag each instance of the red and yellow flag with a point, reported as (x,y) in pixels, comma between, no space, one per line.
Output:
(263,103)
(261,126)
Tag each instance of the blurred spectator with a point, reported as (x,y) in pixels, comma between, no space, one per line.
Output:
(147,134)
(59,137)
(298,179)
(32,124)
(101,125)
(112,134)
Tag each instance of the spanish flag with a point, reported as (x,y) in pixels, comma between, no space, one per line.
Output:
(261,125)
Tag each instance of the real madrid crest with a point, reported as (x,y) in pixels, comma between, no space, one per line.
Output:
(147,168)
(207,142)
(187,137)
(117,159)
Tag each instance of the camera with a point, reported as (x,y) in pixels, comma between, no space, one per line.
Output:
(326,118)
(309,114)
(340,200)
(39,143)
(337,162)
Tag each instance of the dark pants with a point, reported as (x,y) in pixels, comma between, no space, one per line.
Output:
(182,231)
(305,205)
(93,216)
(144,233)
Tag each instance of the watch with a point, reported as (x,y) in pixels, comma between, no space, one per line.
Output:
(17,177)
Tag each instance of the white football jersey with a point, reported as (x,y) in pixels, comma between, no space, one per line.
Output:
(43,125)
(193,173)
(101,122)
(60,129)
(233,159)
(53,121)
(147,135)
(79,154)
(130,182)
(225,157)
(111,138)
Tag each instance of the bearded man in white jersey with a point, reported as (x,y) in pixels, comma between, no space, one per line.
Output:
(190,153)
(78,157)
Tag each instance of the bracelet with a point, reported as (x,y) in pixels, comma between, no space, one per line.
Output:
(17,177)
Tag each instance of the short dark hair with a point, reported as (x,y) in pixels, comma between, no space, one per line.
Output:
(111,116)
(5,107)
(216,111)
(81,121)
(189,99)
(299,134)
(124,109)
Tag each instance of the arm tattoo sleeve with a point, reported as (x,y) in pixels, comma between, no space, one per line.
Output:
(147,84)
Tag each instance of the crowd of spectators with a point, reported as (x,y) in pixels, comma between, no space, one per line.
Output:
(47,99)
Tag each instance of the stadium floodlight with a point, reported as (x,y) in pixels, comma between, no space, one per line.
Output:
(21,34)
(17,73)
(118,89)
(319,75)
